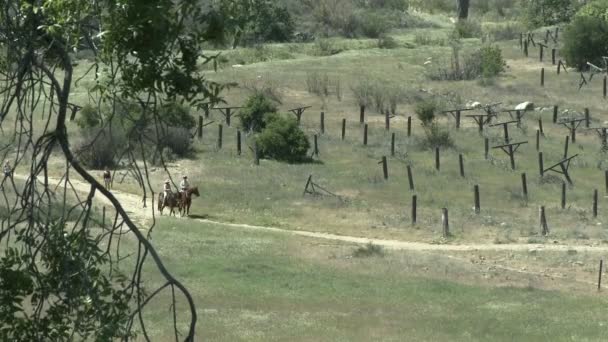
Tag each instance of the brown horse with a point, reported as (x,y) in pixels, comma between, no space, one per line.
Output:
(186,200)
(172,202)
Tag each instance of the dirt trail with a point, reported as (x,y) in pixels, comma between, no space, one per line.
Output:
(133,204)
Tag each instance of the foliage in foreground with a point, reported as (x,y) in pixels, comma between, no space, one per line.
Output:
(596,9)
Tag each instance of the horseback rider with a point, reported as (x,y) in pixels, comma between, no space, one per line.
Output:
(8,171)
(166,191)
(107,178)
(184,185)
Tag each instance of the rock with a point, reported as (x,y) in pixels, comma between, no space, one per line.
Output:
(237,66)
(525,106)
(474,104)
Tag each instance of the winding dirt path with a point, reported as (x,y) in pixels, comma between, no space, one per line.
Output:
(133,205)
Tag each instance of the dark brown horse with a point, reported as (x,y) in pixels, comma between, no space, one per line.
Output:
(186,200)
(172,202)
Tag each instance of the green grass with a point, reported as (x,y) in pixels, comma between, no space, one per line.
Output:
(267,287)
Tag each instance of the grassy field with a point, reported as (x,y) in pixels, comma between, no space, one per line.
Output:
(253,286)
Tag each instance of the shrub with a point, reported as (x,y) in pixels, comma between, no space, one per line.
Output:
(596,9)
(467,29)
(317,83)
(539,13)
(421,38)
(98,148)
(435,136)
(254,111)
(89,117)
(373,24)
(490,61)
(425,111)
(387,42)
(178,140)
(362,91)
(283,140)
(369,250)
(486,62)
(326,47)
(508,31)
(174,114)
(585,41)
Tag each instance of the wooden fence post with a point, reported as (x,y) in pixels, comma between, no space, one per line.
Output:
(322,123)
(200,127)
(604,87)
(219,136)
(555,110)
(410,177)
(606,180)
(563,195)
(477,203)
(409,126)
(541,53)
(537,139)
(414,200)
(458,119)
(553,56)
(393,144)
(599,277)
(437,162)
(238,142)
(256,153)
(486,144)
(365,134)
(384,167)
(540,127)
(343,128)
(316,148)
(543,222)
(566,146)
(524,185)
(540,164)
(587,118)
(361,114)
(461,162)
(595,203)
(387,121)
(542,77)
(521,41)
(526,48)
(559,66)
(103,217)
(207,110)
(445,222)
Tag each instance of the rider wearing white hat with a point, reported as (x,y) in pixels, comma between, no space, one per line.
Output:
(184,185)
(166,191)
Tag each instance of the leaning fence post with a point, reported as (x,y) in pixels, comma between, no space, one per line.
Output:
(540,127)
(410,177)
(543,222)
(599,276)
(445,222)
(384,167)
(566,146)
(461,163)
(414,200)
(524,185)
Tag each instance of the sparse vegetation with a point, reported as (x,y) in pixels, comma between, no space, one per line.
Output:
(368,251)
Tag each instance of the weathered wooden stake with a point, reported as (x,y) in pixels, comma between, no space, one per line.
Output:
(207,110)
(595,203)
(486,143)
(437,164)
(343,128)
(387,121)
(200,127)
(365,134)
(526,48)
(555,110)
(103,216)
(384,167)
(524,185)
(393,144)
(477,203)
(559,66)
(322,124)
(219,136)
(587,118)
(543,222)
(540,163)
(537,139)
(361,114)
(540,127)
(563,195)
(566,146)
(256,153)
(541,53)
(409,126)
(238,142)
(604,87)
(521,41)
(445,222)
(316,143)
(553,56)
(461,162)
(606,180)
(542,77)
(457,119)
(414,200)
(599,276)
(410,177)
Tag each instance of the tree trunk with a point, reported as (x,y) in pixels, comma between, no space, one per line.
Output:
(463,9)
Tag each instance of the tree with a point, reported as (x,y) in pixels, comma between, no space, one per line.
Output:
(585,41)
(63,275)
(463,9)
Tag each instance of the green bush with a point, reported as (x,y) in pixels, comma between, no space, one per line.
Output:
(491,62)
(425,111)
(486,62)
(387,42)
(369,250)
(254,112)
(98,148)
(539,13)
(507,31)
(178,140)
(89,117)
(283,140)
(585,40)
(174,114)
(373,24)
(467,29)
(596,9)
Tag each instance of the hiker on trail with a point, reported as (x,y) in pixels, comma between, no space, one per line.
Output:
(166,192)
(8,171)
(107,178)
(184,185)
